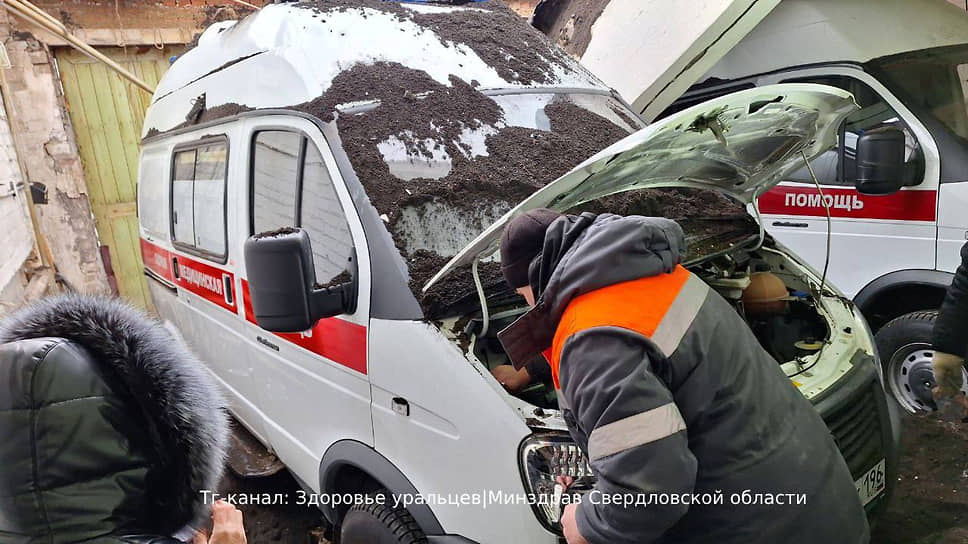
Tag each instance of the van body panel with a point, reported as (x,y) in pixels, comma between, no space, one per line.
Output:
(952,224)
(884,232)
(459,422)
(190,290)
(685,39)
(804,32)
(246,359)
(293,369)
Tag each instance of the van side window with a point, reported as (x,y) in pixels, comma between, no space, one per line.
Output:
(275,178)
(324,220)
(291,187)
(837,166)
(198,199)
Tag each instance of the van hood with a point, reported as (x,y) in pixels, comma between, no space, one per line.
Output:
(740,144)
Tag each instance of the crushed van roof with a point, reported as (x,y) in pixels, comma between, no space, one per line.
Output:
(299,49)
(449,116)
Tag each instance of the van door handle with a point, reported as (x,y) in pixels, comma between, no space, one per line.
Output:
(789,224)
(227,288)
(400,406)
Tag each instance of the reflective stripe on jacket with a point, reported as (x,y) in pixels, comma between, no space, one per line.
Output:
(668,392)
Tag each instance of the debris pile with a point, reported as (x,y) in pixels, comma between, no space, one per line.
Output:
(441,157)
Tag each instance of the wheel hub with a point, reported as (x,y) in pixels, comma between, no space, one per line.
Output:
(912,377)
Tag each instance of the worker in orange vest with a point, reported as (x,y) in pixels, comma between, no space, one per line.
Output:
(668,393)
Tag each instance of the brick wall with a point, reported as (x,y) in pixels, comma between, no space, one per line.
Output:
(16,232)
(524,8)
(44,130)
(129,14)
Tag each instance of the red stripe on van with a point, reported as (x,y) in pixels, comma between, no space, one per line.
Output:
(213,284)
(157,260)
(905,205)
(333,338)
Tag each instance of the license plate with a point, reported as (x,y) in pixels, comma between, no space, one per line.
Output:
(872,483)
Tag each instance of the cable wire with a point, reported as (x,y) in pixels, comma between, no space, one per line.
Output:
(485,317)
(826,207)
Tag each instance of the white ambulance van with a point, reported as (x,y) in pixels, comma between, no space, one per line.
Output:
(306,171)
(893,248)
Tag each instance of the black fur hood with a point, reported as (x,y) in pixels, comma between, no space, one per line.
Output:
(125,427)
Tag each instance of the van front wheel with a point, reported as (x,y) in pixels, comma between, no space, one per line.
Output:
(380,524)
(904,345)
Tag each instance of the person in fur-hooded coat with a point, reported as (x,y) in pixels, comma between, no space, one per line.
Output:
(109,428)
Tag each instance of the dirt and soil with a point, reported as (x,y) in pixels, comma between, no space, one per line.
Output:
(569,22)
(710,220)
(289,523)
(930,503)
(416,108)
(431,118)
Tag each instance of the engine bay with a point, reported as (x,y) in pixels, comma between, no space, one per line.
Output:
(777,301)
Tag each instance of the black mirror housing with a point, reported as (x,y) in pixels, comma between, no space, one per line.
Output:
(279,265)
(880,161)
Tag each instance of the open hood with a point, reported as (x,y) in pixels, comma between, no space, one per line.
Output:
(650,51)
(740,144)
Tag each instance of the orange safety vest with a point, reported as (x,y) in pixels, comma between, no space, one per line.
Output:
(638,305)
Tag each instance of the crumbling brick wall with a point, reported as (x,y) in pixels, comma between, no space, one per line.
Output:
(51,158)
(524,8)
(42,122)
(16,232)
(129,14)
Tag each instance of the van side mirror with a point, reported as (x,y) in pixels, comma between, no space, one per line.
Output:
(282,283)
(880,161)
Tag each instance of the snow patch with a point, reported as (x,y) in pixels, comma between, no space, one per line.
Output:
(407,158)
(439,227)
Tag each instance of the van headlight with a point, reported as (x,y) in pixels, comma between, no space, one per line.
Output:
(543,458)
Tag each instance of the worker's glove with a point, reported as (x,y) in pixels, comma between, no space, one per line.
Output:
(947,374)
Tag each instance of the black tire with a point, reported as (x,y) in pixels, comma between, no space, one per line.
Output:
(380,524)
(904,345)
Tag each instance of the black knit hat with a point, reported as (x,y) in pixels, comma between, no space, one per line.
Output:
(522,241)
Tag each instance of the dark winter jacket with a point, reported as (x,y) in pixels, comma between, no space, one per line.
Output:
(694,407)
(110,427)
(951,328)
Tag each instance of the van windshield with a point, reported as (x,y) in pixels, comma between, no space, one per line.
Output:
(934,79)
(440,163)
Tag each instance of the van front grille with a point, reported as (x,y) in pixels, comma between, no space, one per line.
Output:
(856,428)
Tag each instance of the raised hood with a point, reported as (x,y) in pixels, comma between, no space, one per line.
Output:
(650,51)
(740,144)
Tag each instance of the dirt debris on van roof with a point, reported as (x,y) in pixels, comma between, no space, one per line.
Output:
(523,54)
(426,114)
(488,165)
(205,115)
(519,161)
(492,30)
